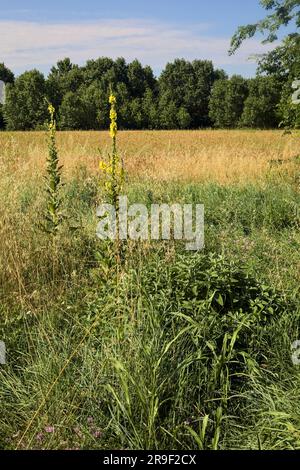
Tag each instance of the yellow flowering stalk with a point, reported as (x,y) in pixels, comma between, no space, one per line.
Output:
(113,117)
(113,170)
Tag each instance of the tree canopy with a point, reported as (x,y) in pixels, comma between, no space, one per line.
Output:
(227,101)
(281,64)
(187,95)
(179,98)
(282,12)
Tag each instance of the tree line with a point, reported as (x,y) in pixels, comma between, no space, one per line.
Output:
(187,95)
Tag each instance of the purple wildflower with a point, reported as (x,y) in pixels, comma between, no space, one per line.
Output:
(49,429)
(39,437)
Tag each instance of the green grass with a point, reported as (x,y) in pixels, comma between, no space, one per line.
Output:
(175,350)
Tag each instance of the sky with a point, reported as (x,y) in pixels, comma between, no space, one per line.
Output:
(36,34)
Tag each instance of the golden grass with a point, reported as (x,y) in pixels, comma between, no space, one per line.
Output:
(225,157)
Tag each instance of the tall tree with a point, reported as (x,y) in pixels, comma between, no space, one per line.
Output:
(25,106)
(227,101)
(261,105)
(6,75)
(64,77)
(282,12)
(78,110)
(186,86)
(283,63)
(140,78)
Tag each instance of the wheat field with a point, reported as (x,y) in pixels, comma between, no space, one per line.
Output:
(223,157)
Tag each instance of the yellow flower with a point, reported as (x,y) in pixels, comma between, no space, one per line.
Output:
(102,166)
(51,109)
(112,99)
(113,114)
(113,129)
(108,186)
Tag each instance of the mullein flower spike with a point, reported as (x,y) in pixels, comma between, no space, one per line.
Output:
(113,169)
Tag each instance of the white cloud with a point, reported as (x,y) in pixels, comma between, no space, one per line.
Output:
(27,44)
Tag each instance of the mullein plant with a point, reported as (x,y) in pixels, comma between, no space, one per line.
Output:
(53,216)
(114,172)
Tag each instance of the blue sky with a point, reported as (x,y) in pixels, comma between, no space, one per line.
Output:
(37,34)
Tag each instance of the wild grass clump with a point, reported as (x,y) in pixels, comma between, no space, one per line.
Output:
(152,361)
(196,348)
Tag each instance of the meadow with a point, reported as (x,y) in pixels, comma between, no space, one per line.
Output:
(171,349)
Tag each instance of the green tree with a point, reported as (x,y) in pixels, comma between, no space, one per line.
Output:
(139,79)
(282,12)
(136,115)
(183,118)
(283,63)
(227,101)
(167,113)
(95,70)
(150,109)
(198,100)
(186,85)
(132,83)
(25,107)
(100,75)
(71,112)
(6,75)
(78,110)
(64,77)
(261,106)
